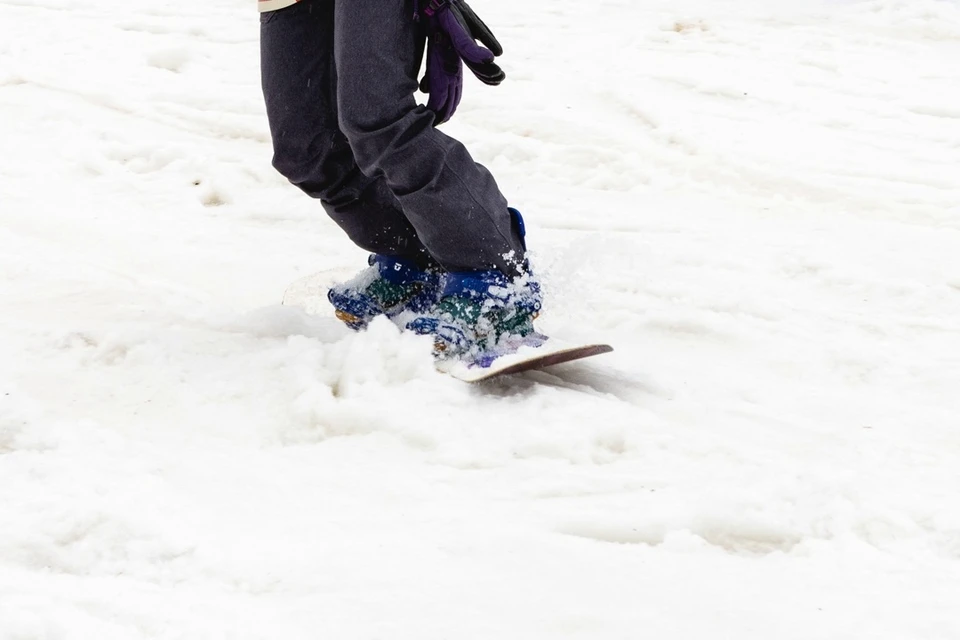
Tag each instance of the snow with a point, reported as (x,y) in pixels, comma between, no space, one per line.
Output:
(757,203)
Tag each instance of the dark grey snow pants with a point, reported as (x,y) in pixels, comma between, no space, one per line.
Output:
(338,80)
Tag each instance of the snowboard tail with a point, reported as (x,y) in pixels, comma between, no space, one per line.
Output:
(532,353)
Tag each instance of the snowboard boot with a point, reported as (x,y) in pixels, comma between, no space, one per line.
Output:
(390,286)
(477,310)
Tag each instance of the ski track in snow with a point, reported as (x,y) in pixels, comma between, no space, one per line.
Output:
(755,202)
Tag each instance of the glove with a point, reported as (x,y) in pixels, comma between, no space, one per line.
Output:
(443,79)
(452,31)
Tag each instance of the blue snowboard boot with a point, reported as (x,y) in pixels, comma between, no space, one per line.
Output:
(390,286)
(478,311)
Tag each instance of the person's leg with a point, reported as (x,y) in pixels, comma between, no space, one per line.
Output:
(299,88)
(453,203)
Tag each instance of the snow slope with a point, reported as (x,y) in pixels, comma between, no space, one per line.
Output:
(757,203)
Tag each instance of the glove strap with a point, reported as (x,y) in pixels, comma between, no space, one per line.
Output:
(433,8)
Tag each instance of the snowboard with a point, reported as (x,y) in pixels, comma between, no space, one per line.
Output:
(533,352)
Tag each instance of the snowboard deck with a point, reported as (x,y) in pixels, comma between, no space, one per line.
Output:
(310,292)
(533,353)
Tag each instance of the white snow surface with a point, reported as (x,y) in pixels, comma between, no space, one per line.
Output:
(757,202)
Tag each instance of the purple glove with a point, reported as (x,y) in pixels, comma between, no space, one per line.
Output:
(452,31)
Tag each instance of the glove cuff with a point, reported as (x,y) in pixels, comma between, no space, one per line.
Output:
(430,8)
